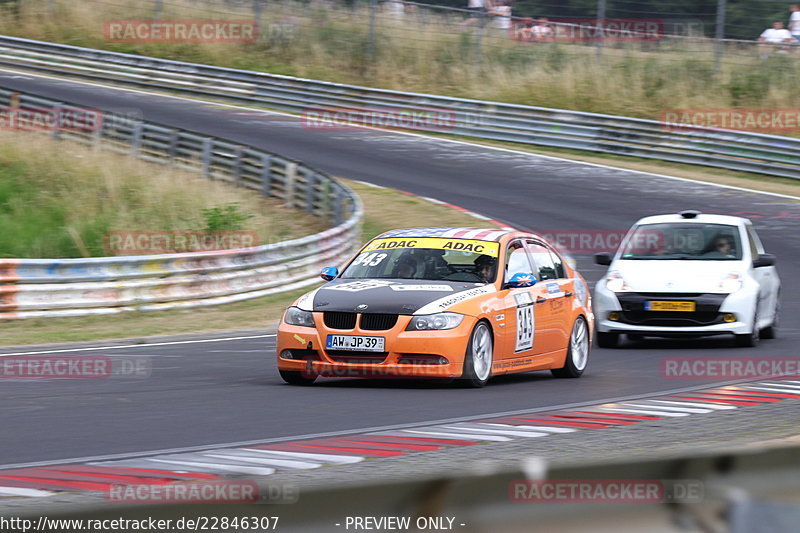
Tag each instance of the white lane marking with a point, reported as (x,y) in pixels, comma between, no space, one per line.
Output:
(651,412)
(769,389)
(534,428)
(433,200)
(19,491)
(239,469)
(368,184)
(498,431)
(665,408)
(235,351)
(463,435)
(404,433)
(321,457)
(716,406)
(779,384)
(280,463)
(170,343)
(410,134)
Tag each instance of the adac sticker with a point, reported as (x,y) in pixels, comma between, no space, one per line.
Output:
(458,245)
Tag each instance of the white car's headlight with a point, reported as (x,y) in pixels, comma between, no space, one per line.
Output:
(616,283)
(436,321)
(297,317)
(731,283)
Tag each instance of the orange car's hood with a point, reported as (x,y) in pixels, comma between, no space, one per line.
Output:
(393,296)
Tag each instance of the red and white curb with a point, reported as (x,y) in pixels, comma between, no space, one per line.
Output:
(263,460)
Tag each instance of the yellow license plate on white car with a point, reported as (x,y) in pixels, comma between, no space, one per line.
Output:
(663,305)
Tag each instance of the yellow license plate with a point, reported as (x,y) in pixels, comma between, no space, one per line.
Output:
(660,305)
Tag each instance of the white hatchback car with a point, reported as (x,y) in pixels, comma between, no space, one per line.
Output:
(688,275)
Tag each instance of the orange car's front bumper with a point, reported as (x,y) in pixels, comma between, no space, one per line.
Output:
(306,347)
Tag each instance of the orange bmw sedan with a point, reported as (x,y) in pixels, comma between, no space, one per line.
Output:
(441,303)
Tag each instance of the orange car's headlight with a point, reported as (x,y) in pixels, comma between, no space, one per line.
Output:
(297,317)
(436,321)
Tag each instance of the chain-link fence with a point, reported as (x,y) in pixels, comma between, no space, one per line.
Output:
(616,56)
(716,31)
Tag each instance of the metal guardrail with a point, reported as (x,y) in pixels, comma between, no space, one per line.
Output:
(102,285)
(734,150)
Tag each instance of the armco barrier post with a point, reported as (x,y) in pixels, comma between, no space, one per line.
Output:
(337,211)
(207,148)
(326,197)
(136,140)
(290,174)
(56,134)
(266,175)
(172,149)
(97,135)
(311,183)
(237,165)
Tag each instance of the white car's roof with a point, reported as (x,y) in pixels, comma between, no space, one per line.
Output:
(701,219)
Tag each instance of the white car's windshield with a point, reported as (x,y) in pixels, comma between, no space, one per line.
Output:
(423,264)
(693,241)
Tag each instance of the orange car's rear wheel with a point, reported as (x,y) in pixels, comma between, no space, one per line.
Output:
(577,352)
(479,357)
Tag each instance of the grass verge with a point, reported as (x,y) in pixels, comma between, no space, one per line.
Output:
(384,209)
(61,200)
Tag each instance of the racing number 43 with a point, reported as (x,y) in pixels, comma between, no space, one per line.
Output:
(373,259)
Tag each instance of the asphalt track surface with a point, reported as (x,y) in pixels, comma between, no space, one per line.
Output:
(212,393)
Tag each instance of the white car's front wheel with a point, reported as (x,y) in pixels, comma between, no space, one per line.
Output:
(771,331)
(749,340)
(607,340)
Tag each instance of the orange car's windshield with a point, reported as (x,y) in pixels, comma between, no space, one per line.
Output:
(423,264)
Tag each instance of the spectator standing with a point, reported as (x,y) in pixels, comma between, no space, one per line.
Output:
(794,21)
(478,7)
(502,15)
(395,8)
(774,36)
(478,10)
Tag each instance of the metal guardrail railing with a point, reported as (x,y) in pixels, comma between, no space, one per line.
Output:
(102,285)
(733,150)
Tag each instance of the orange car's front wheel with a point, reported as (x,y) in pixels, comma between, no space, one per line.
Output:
(577,352)
(479,356)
